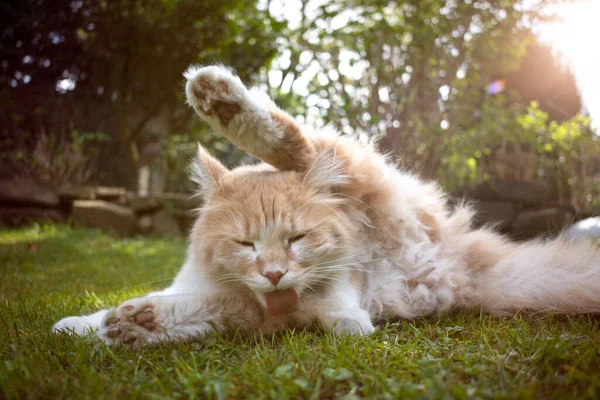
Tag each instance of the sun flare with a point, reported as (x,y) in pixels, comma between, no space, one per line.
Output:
(575,38)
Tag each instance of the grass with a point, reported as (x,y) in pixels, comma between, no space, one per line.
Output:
(48,272)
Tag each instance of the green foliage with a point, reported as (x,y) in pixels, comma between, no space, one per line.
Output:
(517,142)
(50,272)
(57,160)
(125,60)
(416,72)
(180,149)
(378,66)
(413,73)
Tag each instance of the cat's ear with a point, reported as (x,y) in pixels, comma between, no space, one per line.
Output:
(207,171)
(326,174)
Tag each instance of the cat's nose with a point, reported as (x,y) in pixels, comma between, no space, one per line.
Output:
(274,276)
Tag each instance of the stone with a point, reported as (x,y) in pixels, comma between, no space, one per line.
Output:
(28,192)
(547,221)
(497,213)
(526,193)
(108,193)
(165,224)
(145,224)
(19,216)
(141,204)
(586,228)
(71,193)
(105,216)
(482,191)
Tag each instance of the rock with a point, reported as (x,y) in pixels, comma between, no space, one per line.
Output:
(165,224)
(109,193)
(19,216)
(28,191)
(482,191)
(71,193)
(497,213)
(104,215)
(586,228)
(526,193)
(144,204)
(145,224)
(534,223)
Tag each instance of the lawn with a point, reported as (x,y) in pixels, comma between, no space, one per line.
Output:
(48,272)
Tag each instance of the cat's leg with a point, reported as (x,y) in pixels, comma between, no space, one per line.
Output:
(80,325)
(83,325)
(340,311)
(248,118)
(149,320)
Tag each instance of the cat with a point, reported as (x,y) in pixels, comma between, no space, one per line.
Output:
(328,231)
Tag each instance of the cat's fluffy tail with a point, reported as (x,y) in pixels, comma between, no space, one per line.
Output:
(559,276)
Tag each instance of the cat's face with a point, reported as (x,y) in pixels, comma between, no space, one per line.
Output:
(269,231)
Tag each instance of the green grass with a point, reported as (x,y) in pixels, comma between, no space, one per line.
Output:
(50,272)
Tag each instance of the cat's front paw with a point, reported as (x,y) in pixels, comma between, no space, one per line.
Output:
(133,323)
(347,326)
(215,92)
(350,322)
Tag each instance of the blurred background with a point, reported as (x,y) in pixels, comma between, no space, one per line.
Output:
(499,100)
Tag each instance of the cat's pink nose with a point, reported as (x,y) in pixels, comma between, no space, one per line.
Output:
(274,276)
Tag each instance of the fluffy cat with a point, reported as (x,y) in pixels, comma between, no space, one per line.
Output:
(327,231)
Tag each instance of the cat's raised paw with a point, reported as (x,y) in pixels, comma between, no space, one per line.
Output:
(133,323)
(215,92)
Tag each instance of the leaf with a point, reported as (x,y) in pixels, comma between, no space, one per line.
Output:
(338,375)
(284,371)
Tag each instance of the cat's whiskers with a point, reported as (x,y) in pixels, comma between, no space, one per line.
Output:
(327,280)
(223,282)
(324,266)
(362,252)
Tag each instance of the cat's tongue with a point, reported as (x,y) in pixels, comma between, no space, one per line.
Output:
(281,301)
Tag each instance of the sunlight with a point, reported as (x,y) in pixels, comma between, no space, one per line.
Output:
(573,38)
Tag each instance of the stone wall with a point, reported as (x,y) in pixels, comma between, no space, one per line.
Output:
(112,209)
(520,209)
(517,208)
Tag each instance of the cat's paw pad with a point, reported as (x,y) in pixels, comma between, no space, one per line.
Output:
(215,92)
(133,323)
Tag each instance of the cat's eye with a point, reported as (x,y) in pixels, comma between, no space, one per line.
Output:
(245,243)
(295,238)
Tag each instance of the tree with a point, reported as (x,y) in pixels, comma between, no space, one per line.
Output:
(118,64)
(410,71)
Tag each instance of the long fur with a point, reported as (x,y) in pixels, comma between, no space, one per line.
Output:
(354,237)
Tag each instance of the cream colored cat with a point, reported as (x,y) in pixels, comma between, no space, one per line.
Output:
(327,231)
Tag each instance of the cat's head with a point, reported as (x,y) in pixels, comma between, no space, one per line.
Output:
(269,230)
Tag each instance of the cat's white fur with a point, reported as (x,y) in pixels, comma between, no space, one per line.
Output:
(440,262)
